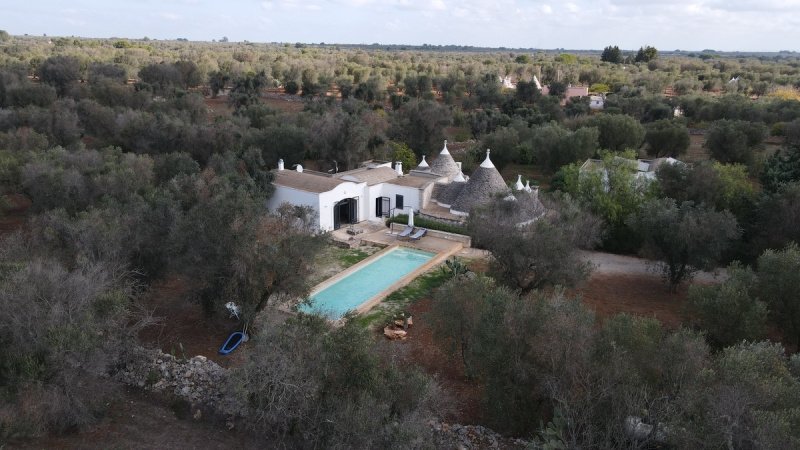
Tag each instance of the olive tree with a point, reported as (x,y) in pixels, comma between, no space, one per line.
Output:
(61,72)
(307,384)
(778,278)
(734,140)
(666,138)
(683,238)
(420,124)
(528,254)
(617,131)
(61,331)
(729,312)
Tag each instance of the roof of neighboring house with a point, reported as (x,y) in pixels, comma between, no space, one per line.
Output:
(642,166)
(305,181)
(368,175)
(656,163)
(412,181)
(577,91)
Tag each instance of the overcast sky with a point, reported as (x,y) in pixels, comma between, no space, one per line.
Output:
(747,25)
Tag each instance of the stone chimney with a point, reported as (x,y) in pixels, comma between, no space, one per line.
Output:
(280,164)
(399,168)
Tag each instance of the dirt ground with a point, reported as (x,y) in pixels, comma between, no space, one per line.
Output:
(15,213)
(283,102)
(141,420)
(446,367)
(219,107)
(184,330)
(638,294)
(628,284)
(609,263)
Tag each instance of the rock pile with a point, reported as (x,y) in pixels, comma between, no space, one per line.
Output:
(202,382)
(465,437)
(197,380)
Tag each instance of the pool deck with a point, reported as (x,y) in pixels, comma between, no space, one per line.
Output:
(442,249)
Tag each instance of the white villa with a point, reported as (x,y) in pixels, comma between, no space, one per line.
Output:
(377,190)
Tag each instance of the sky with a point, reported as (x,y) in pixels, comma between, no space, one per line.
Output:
(728,25)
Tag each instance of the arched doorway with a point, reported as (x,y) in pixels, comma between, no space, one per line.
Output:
(345,212)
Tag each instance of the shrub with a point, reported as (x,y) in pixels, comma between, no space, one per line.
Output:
(307,385)
(76,323)
(429,224)
(728,312)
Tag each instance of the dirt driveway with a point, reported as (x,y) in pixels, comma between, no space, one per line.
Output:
(608,263)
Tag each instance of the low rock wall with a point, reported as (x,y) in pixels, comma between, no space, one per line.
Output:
(202,382)
(197,380)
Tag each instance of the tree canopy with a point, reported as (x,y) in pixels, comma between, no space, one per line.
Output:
(684,238)
(666,138)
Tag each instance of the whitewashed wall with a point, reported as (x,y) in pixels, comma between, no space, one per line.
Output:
(324,202)
(327,200)
(411,196)
(284,194)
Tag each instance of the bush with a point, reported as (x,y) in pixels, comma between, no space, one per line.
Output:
(728,312)
(76,324)
(734,141)
(429,224)
(307,385)
(666,138)
(684,238)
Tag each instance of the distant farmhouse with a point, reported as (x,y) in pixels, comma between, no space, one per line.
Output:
(645,169)
(572,91)
(596,102)
(376,190)
(507,83)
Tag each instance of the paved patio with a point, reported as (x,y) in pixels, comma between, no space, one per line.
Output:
(372,233)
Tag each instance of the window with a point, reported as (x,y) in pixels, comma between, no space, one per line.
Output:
(398,202)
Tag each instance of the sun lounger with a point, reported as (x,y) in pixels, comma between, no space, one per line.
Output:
(420,232)
(406,231)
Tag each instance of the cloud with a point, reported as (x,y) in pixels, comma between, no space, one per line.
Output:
(170,16)
(75,22)
(667,24)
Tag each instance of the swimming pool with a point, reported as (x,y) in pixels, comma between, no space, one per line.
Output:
(368,281)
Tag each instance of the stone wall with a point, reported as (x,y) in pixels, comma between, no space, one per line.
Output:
(197,380)
(202,383)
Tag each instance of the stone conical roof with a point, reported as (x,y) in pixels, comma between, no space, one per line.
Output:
(445,165)
(446,194)
(485,183)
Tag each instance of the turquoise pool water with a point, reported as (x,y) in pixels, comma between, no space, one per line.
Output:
(358,287)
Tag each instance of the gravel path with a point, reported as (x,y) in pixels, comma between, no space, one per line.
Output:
(611,264)
(608,263)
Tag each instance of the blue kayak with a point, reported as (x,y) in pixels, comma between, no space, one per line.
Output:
(233,341)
